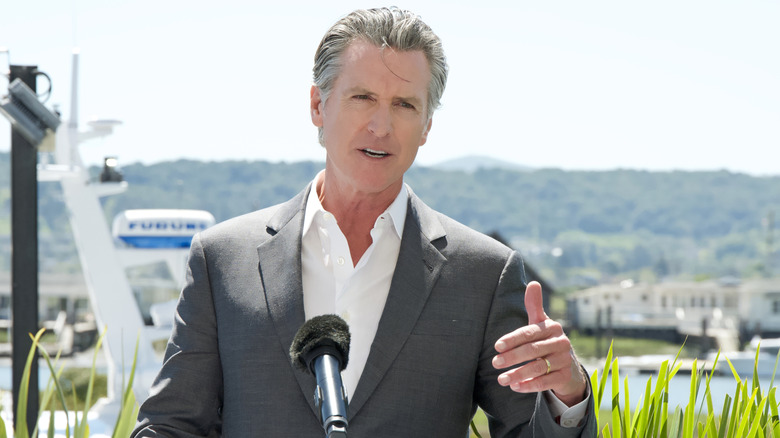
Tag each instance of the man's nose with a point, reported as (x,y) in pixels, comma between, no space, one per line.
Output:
(381,123)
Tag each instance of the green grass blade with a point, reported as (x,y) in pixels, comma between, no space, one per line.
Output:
(21,430)
(724,417)
(735,410)
(664,433)
(46,399)
(607,369)
(707,394)
(677,356)
(660,398)
(644,413)
(773,405)
(755,424)
(129,405)
(675,369)
(676,423)
(594,379)
(710,426)
(774,371)
(77,432)
(733,371)
(756,383)
(616,418)
(690,409)
(50,431)
(743,424)
(58,386)
(627,433)
(652,420)
(44,404)
(84,431)
(129,413)
(773,422)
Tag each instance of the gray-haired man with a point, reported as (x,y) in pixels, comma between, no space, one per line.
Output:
(440,314)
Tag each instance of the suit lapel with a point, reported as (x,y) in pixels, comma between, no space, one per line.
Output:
(418,266)
(280,273)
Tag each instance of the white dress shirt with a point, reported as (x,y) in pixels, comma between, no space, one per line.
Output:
(334,284)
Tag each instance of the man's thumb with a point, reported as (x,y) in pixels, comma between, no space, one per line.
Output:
(533,303)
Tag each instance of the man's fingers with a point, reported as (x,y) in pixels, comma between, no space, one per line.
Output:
(533,303)
(536,321)
(535,370)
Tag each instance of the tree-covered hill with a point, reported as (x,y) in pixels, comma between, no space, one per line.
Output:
(572,224)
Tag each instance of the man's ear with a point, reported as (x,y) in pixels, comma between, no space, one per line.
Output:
(316,106)
(424,137)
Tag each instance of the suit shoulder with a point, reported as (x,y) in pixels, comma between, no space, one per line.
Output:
(246,227)
(463,235)
(453,237)
(257,226)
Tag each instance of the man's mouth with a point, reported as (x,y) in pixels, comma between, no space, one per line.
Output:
(374,154)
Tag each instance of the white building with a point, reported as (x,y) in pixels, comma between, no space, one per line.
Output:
(675,309)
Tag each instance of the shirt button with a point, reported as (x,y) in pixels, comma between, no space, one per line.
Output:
(340,261)
(327,216)
(569,423)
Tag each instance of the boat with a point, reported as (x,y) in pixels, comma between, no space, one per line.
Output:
(744,362)
(139,237)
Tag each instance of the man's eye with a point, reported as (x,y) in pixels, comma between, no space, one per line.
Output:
(361,97)
(406,105)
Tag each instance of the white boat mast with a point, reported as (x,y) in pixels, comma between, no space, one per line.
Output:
(110,293)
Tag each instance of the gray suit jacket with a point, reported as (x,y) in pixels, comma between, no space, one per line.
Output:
(453,294)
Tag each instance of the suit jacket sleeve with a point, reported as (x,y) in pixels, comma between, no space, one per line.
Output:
(186,397)
(512,414)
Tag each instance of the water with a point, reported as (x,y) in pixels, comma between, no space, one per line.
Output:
(679,390)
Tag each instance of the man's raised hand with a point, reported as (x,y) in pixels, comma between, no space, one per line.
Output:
(545,352)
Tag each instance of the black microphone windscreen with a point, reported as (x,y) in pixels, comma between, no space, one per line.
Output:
(321,334)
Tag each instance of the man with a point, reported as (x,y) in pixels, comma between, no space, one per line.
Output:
(437,311)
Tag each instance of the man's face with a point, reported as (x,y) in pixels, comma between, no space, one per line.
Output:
(375,118)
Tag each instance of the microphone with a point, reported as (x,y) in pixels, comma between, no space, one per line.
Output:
(321,347)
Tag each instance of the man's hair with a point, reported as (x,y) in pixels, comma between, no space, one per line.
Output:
(384,27)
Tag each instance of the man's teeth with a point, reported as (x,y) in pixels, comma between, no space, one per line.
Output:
(375,154)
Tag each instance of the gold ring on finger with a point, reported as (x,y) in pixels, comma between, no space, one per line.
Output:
(549,367)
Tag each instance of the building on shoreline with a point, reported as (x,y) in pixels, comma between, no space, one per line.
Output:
(727,311)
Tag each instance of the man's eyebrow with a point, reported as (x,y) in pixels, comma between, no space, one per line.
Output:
(411,99)
(416,101)
(359,90)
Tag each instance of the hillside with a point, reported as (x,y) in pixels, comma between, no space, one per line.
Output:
(473,163)
(576,227)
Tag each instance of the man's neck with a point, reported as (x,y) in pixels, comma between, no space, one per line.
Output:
(355,212)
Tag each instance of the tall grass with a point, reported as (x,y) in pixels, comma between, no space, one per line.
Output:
(128,407)
(748,413)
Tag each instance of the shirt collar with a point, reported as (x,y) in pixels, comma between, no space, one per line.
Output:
(396,210)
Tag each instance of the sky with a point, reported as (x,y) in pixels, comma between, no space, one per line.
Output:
(579,85)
